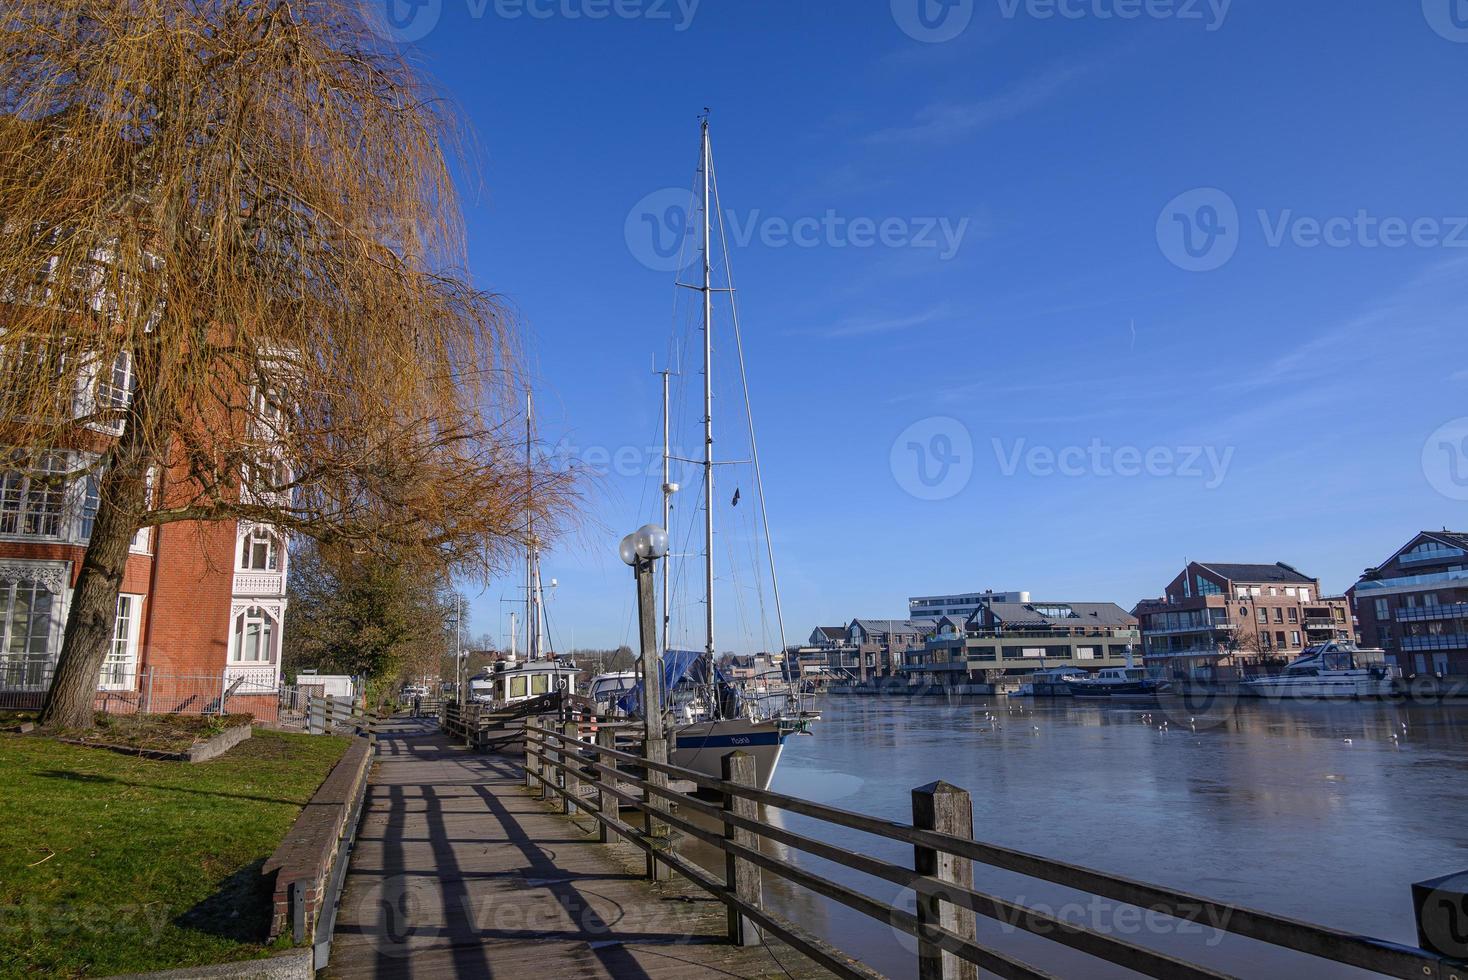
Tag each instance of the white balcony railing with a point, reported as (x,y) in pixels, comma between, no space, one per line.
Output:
(259,584)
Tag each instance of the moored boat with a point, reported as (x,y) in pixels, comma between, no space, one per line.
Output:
(1050,683)
(1332,670)
(1117,684)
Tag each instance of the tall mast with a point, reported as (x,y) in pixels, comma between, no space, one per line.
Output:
(532,605)
(667,500)
(708,399)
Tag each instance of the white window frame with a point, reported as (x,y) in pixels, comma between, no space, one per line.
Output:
(28,671)
(244,554)
(237,625)
(16,498)
(120,668)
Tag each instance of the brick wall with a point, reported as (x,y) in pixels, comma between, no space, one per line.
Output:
(187,621)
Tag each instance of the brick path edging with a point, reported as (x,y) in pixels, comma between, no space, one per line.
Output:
(294,965)
(304,861)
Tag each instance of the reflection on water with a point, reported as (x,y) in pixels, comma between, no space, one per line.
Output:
(1313,811)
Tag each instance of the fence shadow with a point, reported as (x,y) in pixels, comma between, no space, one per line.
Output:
(239,910)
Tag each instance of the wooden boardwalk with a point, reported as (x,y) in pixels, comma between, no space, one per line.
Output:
(459,872)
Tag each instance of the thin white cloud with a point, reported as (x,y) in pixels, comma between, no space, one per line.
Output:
(945,122)
(867,326)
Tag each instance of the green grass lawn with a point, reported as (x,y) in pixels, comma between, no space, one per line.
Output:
(112,863)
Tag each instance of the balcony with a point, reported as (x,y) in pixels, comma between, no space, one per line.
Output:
(259,584)
(1426,614)
(1410,583)
(1427,558)
(1199,628)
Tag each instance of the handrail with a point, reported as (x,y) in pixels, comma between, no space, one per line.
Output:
(1381,956)
(1078,937)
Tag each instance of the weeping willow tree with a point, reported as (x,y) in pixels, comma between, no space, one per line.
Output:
(232,266)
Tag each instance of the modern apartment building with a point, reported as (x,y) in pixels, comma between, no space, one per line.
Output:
(961,605)
(882,645)
(1008,638)
(1215,612)
(1414,605)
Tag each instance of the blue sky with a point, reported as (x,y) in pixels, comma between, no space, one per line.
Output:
(1071,300)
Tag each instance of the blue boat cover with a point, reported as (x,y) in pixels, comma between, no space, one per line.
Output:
(676,665)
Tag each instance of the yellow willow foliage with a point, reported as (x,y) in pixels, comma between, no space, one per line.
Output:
(244,208)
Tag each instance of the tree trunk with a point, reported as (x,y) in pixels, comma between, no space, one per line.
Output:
(92,619)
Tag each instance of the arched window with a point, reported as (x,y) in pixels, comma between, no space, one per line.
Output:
(254,636)
(260,551)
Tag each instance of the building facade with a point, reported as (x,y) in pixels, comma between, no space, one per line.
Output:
(202,605)
(961,605)
(1239,615)
(1414,605)
(1003,639)
(883,645)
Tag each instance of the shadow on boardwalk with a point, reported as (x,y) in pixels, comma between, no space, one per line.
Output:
(458,872)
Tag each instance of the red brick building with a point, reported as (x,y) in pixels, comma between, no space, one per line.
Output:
(1414,605)
(1238,615)
(200,614)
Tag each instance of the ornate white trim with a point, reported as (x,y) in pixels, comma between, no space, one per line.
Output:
(55,576)
(275,607)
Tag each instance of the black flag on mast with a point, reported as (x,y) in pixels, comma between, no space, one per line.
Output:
(735,501)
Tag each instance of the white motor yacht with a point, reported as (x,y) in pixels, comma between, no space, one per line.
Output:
(1329,670)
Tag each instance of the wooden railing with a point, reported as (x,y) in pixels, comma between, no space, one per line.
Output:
(486,727)
(325,715)
(601,777)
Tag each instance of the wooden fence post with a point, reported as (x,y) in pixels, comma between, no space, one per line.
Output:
(656,832)
(740,877)
(944,809)
(548,770)
(532,764)
(569,779)
(606,802)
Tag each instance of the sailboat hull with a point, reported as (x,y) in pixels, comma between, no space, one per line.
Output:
(702,746)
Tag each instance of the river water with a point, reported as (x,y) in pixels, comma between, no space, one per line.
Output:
(1307,810)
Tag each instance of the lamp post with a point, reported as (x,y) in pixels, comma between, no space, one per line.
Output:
(641,550)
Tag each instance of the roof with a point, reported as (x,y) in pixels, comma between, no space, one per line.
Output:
(895,626)
(1455,539)
(1085,614)
(834,632)
(1279,572)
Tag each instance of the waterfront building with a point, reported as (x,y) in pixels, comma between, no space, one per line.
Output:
(962,604)
(202,605)
(1230,616)
(882,645)
(1414,605)
(1005,639)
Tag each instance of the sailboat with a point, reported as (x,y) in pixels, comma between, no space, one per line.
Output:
(513,681)
(759,726)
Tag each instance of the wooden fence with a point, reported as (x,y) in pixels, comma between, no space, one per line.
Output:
(326,715)
(601,777)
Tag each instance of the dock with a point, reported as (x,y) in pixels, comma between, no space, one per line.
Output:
(459,871)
